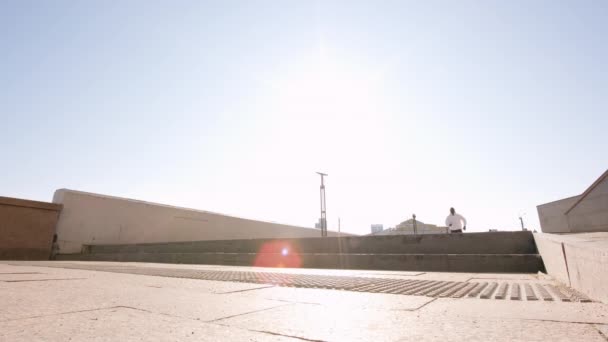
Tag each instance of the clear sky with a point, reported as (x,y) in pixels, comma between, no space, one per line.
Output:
(492,107)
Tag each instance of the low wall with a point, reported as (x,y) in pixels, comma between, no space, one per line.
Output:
(26,228)
(577,260)
(470,243)
(89,218)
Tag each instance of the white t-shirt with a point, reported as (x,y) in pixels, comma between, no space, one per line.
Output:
(455,222)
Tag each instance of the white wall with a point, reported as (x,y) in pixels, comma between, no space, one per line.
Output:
(89,218)
(591,215)
(552,215)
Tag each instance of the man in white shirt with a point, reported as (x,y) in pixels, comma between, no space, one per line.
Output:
(455,222)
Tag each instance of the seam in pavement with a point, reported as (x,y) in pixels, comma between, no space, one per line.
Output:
(62,313)
(284,335)
(158,313)
(1,273)
(246,313)
(143,310)
(418,308)
(245,290)
(97,309)
(558,321)
(601,332)
(265,332)
(292,301)
(26,280)
(501,279)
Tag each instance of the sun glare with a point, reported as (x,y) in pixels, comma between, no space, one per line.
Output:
(328,88)
(325,96)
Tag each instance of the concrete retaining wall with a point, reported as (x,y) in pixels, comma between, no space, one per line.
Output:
(475,252)
(577,260)
(471,243)
(552,252)
(472,263)
(26,228)
(89,218)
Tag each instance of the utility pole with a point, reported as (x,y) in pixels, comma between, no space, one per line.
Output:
(521,220)
(415,227)
(323,208)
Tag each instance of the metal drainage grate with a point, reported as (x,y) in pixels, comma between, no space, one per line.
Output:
(505,290)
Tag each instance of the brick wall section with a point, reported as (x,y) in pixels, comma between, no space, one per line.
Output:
(26,228)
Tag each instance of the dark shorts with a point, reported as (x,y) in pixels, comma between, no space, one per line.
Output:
(456,231)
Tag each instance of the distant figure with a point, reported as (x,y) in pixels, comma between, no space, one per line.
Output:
(456,223)
(54,248)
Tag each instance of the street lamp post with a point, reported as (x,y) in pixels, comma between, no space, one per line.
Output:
(323,222)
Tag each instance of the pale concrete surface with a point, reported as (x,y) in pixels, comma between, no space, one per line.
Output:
(577,260)
(89,218)
(84,305)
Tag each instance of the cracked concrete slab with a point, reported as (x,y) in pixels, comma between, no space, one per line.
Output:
(549,311)
(23,276)
(603,330)
(122,324)
(153,281)
(91,294)
(129,307)
(103,289)
(43,279)
(340,324)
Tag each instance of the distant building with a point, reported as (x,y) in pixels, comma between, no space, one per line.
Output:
(411,227)
(376,228)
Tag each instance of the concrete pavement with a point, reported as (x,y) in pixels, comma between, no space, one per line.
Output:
(54,301)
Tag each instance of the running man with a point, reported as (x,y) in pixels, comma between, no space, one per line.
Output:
(455,222)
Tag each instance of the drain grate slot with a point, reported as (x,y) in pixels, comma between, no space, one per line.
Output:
(429,288)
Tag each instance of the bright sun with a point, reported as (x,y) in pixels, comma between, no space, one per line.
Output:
(313,99)
(331,89)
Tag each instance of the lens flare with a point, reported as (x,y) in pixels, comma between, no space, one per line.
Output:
(278,254)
